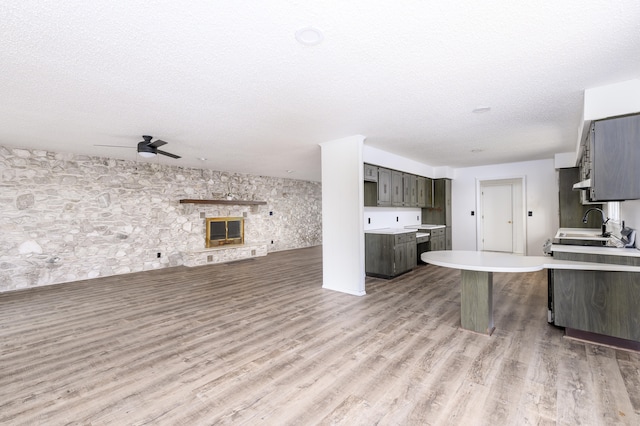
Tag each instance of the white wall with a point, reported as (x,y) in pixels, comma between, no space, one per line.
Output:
(382,158)
(378,157)
(612,100)
(541,194)
(391,217)
(630,213)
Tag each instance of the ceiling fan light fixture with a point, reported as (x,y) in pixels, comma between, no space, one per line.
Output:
(146,151)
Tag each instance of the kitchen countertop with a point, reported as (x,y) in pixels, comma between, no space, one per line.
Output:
(425,226)
(390,231)
(508,262)
(609,251)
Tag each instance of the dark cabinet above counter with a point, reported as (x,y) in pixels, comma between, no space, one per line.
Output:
(609,159)
(384,187)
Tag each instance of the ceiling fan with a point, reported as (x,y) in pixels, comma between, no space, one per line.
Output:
(148,149)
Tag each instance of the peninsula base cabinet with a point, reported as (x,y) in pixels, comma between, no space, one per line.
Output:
(599,302)
(389,255)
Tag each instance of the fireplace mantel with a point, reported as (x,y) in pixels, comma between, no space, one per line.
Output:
(228,202)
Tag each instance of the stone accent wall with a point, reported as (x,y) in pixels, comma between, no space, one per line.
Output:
(67,217)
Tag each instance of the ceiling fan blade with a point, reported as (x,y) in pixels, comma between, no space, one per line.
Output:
(157,143)
(168,154)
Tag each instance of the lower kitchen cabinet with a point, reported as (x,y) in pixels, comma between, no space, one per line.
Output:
(389,255)
(447,238)
(597,301)
(438,239)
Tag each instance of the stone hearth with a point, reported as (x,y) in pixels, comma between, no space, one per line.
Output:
(224,254)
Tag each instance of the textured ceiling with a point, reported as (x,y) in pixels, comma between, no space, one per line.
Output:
(227,80)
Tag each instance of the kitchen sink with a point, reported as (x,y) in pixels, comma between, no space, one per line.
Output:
(589,234)
(580,242)
(582,237)
(578,235)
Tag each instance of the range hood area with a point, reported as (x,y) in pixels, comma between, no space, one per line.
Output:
(583,184)
(609,161)
(608,143)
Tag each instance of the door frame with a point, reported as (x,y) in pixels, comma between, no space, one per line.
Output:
(520,232)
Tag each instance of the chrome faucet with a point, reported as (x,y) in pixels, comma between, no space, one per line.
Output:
(604,220)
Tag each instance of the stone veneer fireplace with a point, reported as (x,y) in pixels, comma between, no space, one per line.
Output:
(222,231)
(227,238)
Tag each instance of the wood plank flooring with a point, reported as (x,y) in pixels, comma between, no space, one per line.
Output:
(260,342)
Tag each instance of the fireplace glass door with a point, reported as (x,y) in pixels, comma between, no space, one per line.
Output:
(224,230)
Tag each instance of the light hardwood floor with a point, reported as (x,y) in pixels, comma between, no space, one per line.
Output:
(260,342)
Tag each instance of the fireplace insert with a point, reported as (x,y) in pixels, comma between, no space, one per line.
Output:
(224,230)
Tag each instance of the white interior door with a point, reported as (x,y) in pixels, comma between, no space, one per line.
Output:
(497,218)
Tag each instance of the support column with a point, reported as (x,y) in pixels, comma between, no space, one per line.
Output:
(476,310)
(342,215)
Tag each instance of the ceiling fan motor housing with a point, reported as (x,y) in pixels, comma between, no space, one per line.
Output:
(144,147)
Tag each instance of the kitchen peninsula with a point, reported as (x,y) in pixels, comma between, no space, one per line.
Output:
(596,303)
(477,270)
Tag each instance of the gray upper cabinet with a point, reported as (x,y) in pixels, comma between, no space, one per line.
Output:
(409,190)
(447,202)
(424,191)
(384,187)
(370,173)
(413,200)
(406,189)
(421,183)
(614,147)
(440,212)
(397,194)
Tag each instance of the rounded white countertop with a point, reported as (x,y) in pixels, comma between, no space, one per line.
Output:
(484,261)
(508,262)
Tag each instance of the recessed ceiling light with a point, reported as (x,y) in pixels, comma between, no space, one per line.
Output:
(202,159)
(309,36)
(481,109)
(289,171)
